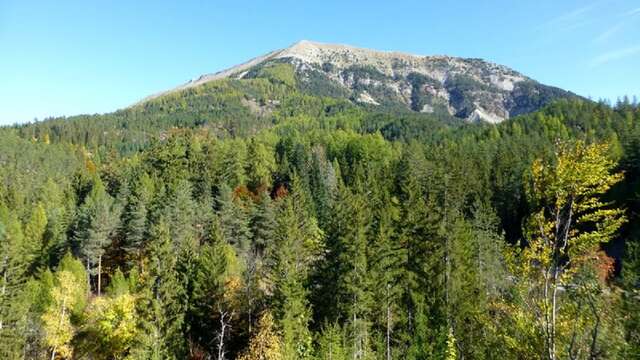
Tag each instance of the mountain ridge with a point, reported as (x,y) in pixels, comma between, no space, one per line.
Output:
(468,88)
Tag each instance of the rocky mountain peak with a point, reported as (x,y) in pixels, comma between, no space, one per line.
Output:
(471,89)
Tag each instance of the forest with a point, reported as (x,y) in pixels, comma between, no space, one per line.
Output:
(246,219)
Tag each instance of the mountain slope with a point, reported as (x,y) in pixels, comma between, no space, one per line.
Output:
(470,89)
(328,85)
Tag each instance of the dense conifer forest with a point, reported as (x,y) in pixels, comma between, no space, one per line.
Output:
(250,219)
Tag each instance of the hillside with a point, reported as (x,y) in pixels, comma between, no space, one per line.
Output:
(314,80)
(470,89)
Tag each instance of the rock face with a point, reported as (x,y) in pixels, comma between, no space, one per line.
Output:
(470,89)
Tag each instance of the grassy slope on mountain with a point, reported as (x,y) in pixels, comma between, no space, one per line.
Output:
(225,107)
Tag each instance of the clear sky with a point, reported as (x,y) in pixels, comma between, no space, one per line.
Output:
(69,57)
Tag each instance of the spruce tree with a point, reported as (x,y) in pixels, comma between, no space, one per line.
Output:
(352,219)
(234,221)
(387,259)
(263,227)
(216,299)
(14,267)
(179,212)
(98,220)
(260,165)
(422,235)
(161,307)
(59,208)
(296,247)
(134,217)
(34,231)
(331,343)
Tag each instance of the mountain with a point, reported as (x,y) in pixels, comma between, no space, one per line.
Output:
(470,89)
(325,202)
(400,95)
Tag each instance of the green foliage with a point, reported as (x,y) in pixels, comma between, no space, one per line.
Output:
(366,232)
(278,73)
(296,247)
(216,297)
(568,224)
(161,307)
(265,343)
(111,326)
(331,343)
(67,298)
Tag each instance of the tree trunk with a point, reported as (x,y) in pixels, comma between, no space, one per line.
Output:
(99,274)
(62,313)
(554,304)
(3,292)
(88,278)
(223,328)
(388,326)
(355,331)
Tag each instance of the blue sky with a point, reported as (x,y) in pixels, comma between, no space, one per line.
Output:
(70,57)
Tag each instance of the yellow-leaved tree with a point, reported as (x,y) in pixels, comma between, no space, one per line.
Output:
(556,273)
(265,344)
(111,325)
(59,330)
